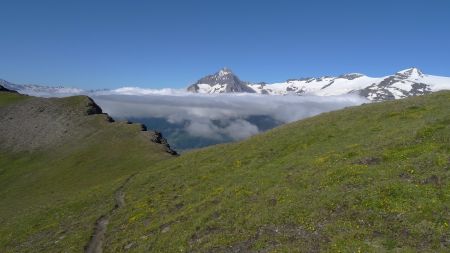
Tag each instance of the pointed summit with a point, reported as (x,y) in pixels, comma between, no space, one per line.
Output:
(224,71)
(223,81)
(410,73)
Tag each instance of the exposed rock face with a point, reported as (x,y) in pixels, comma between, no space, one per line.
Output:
(157,137)
(391,87)
(92,107)
(351,76)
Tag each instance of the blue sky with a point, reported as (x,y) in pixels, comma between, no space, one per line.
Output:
(155,44)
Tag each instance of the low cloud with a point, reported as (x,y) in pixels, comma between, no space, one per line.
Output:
(216,116)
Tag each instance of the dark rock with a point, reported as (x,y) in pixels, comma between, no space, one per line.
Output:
(419,89)
(434,180)
(7,90)
(325,86)
(351,76)
(272,202)
(369,161)
(158,138)
(92,107)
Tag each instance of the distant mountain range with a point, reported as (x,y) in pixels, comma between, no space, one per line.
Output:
(405,83)
(41,90)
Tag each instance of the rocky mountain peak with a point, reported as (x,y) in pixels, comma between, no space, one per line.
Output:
(225,71)
(223,81)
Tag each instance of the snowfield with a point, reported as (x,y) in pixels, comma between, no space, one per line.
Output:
(408,82)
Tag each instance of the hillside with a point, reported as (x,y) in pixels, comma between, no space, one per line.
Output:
(372,178)
(61,162)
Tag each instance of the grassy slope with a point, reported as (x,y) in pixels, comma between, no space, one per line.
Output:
(371,178)
(9,98)
(51,197)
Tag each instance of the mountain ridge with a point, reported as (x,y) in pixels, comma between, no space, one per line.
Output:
(61,160)
(404,83)
(50,121)
(7,90)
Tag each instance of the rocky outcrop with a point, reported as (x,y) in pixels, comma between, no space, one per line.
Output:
(92,107)
(157,137)
(40,123)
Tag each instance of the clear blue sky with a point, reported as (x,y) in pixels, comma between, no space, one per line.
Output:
(167,43)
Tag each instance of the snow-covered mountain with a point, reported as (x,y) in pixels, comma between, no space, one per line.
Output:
(408,82)
(223,81)
(405,83)
(61,91)
(42,91)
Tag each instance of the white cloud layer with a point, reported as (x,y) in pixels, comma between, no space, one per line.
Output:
(200,111)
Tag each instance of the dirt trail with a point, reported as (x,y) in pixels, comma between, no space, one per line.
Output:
(120,198)
(95,244)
